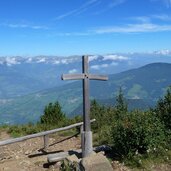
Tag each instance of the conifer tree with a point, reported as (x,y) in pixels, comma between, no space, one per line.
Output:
(163,109)
(53,114)
(121,105)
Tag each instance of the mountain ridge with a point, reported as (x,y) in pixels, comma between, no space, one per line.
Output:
(148,83)
(24,75)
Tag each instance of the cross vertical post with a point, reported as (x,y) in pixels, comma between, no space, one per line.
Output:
(86,101)
(87,145)
(86,135)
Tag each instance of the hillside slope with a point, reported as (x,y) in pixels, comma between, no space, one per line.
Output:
(148,83)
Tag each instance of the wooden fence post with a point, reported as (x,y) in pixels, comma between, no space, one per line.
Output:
(46,142)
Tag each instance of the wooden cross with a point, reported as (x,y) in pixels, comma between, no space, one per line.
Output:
(86,136)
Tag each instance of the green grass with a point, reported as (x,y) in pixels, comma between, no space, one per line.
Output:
(137,90)
(69,132)
(148,162)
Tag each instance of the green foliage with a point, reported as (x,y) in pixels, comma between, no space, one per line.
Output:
(152,79)
(69,166)
(101,127)
(96,112)
(138,132)
(121,105)
(110,117)
(134,135)
(148,161)
(26,129)
(129,133)
(21,130)
(163,110)
(106,116)
(53,115)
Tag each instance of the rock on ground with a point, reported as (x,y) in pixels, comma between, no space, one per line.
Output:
(96,162)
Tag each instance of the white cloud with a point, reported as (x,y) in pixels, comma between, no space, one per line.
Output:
(167,3)
(29,60)
(93,57)
(163,17)
(65,15)
(41,60)
(163,52)
(144,27)
(71,34)
(56,62)
(35,27)
(134,28)
(104,65)
(114,64)
(72,71)
(142,19)
(64,61)
(148,19)
(78,10)
(143,24)
(68,60)
(11,61)
(97,67)
(114,57)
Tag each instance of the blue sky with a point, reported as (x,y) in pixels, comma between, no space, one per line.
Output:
(71,27)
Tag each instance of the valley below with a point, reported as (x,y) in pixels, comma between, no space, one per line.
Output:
(30,84)
(142,88)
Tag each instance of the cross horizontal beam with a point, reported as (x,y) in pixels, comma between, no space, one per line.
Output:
(72,76)
(83,76)
(98,77)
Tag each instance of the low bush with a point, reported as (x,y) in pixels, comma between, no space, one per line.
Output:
(138,132)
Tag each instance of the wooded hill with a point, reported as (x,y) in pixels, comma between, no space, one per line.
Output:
(145,84)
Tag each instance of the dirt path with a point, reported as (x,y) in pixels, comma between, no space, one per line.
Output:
(28,155)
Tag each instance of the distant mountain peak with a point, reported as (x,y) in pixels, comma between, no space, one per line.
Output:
(157,64)
(163,52)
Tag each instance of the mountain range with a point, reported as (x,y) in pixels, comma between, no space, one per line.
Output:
(142,86)
(24,75)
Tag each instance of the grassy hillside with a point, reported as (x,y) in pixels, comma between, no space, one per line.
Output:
(148,83)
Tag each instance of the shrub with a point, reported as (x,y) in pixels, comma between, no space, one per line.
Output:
(138,132)
(104,117)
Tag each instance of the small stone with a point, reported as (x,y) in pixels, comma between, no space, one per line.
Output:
(3,156)
(6,169)
(51,167)
(78,146)
(17,157)
(73,158)
(102,152)
(57,165)
(27,152)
